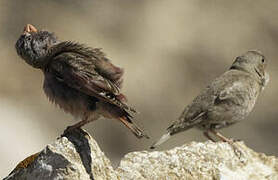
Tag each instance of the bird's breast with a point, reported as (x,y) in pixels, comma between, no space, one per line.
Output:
(70,100)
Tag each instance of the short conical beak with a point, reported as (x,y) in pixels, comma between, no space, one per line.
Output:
(29,28)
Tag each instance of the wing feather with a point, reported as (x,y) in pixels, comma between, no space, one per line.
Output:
(84,74)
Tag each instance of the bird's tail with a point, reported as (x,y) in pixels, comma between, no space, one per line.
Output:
(163,139)
(133,127)
(175,128)
(178,126)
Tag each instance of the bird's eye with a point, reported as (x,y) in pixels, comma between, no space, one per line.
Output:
(263,60)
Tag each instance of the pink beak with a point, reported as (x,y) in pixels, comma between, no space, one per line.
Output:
(29,28)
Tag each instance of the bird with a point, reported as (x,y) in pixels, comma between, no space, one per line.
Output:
(79,79)
(228,99)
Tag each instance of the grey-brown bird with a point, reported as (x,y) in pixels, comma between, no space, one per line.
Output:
(79,79)
(226,101)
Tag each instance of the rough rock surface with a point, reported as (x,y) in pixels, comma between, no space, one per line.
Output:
(76,155)
(207,160)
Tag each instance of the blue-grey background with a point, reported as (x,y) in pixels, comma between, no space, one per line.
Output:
(170,51)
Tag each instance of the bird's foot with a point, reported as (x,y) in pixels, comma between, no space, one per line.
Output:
(70,129)
(236,140)
(75,127)
(232,142)
(206,134)
(238,152)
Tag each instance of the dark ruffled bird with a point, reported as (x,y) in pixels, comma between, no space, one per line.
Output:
(226,101)
(79,79)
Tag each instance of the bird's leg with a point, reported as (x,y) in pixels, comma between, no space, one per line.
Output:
(223,138)
(237,151)
(208,136)
(81,123)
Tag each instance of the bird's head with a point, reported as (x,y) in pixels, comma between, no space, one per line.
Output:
(253,62)
(32,45)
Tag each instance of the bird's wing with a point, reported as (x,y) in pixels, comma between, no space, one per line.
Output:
(228,89)
(102,65)
(81,73)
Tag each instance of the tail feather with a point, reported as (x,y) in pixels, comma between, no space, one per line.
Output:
(163,139)
(182,124)
(133,127)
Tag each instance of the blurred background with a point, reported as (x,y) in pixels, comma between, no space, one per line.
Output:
(170,51)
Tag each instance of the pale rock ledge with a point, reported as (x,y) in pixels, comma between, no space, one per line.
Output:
(76,155)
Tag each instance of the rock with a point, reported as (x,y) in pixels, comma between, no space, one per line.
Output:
(76,155)
(207,160)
